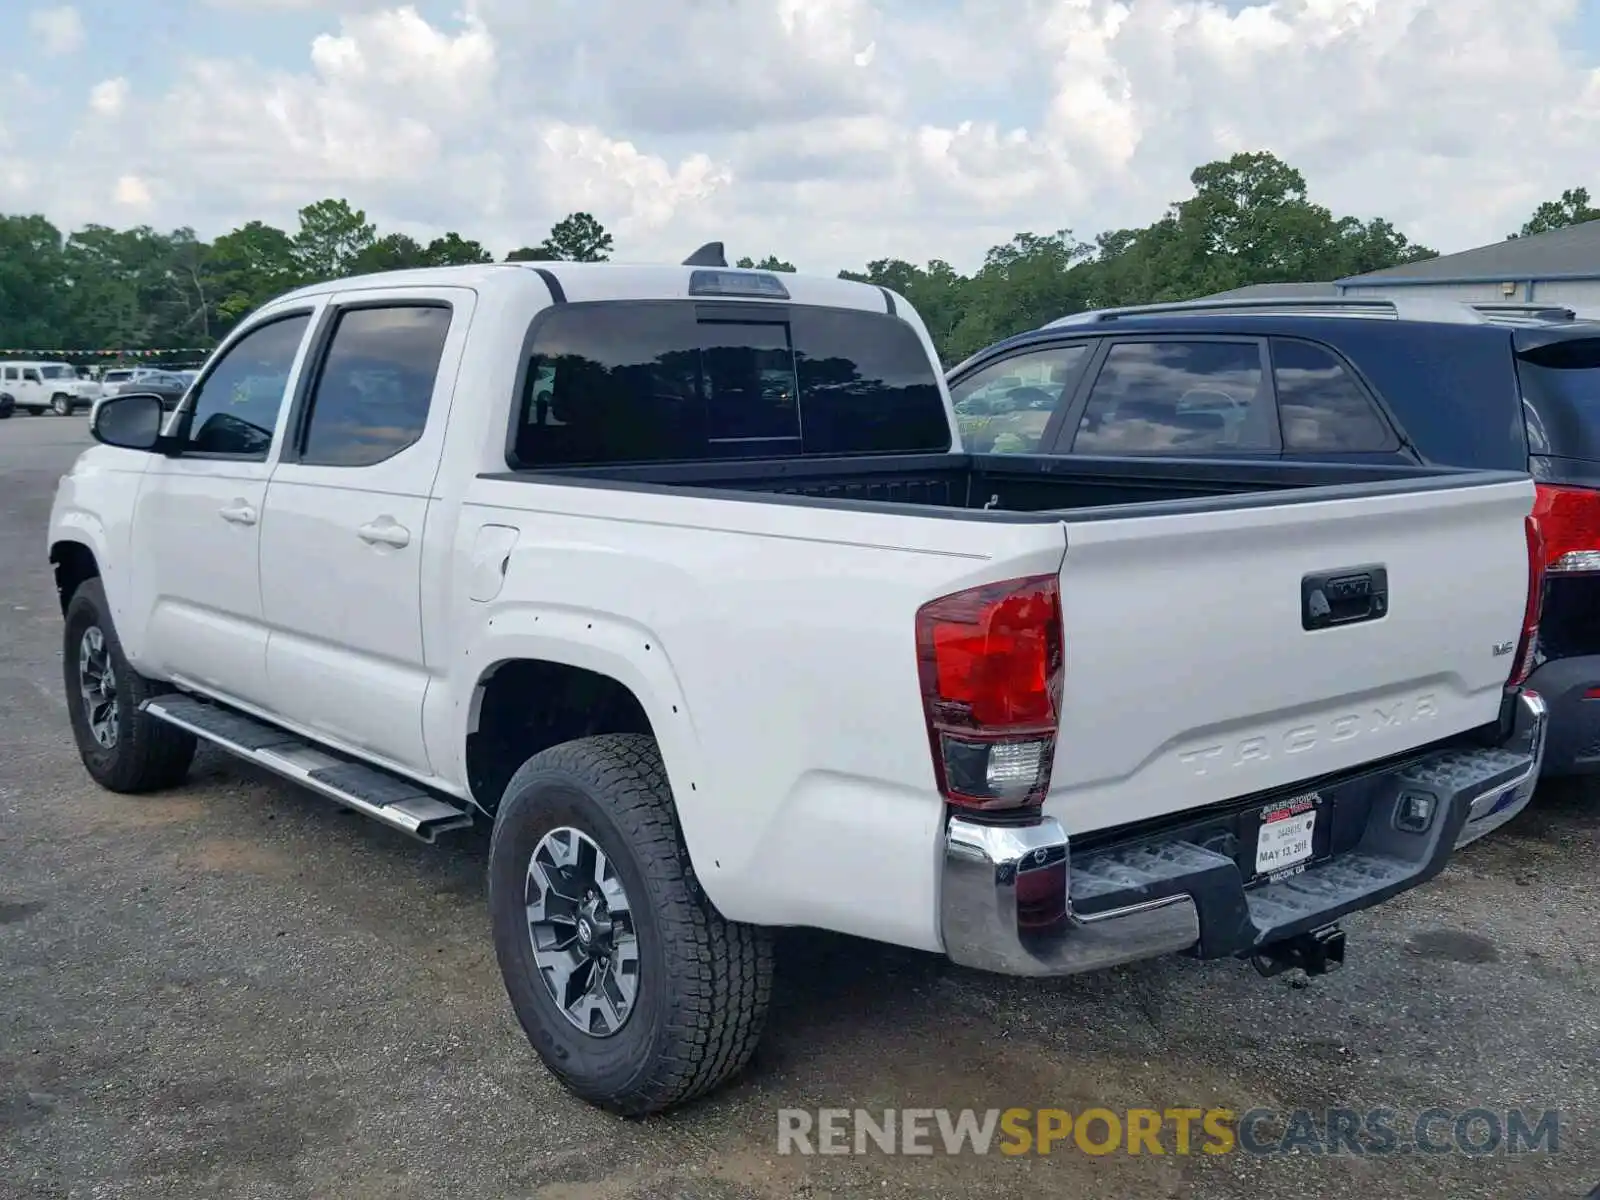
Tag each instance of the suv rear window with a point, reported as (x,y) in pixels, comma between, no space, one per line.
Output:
(1561,385)
(664,381)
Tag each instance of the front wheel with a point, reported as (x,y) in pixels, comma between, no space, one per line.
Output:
(123,749)
(61,405)
(634,991)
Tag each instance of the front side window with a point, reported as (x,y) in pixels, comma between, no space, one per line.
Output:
(1004,408)
(673,381)
(235,408)
(373,393)
(1322,408)
(1177,398)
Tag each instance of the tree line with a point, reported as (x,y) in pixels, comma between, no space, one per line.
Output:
(1250,220)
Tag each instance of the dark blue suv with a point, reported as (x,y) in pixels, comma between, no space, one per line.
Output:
(1510,387)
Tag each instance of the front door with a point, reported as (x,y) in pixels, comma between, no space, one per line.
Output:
(341,548)
(195,553)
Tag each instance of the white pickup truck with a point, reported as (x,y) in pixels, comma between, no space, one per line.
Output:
(679,576)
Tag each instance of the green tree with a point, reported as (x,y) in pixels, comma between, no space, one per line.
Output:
(137,286)
(391,252)
(770,263)
(1572,209)
(34,290)
(248,266)
(453,250)
(530,254)
(331,240)
(577,238)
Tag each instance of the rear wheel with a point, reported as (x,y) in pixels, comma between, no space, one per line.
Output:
(61,404)
(122,748)
(635,992)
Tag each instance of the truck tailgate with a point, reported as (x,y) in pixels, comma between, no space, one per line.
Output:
(1191,677)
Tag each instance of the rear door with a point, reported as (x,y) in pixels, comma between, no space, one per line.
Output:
(1182,396)
(342,533)
(1201,664)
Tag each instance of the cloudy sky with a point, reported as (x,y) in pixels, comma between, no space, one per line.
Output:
(827,131)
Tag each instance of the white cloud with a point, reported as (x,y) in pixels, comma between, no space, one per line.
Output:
(836,131)
(109,96)
(131,192)
(59,30)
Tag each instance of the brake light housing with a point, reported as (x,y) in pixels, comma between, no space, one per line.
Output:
(1533,608)
(991,662)
(1569,521)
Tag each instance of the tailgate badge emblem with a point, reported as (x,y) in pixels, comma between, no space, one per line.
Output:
(1503,648)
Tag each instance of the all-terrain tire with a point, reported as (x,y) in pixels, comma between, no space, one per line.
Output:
(61,404)
(145,755)
(703,982)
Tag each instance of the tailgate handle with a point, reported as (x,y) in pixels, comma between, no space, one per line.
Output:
(1343,597)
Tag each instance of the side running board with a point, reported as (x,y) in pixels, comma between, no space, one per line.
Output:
(394,801)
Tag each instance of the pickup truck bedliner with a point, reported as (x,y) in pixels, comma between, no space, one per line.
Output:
(1008,485)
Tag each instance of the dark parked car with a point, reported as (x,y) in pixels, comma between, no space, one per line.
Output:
(169,385)
(7,406)
(1342,380)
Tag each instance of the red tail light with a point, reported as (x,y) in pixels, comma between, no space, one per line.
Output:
(1538,556)
(991,664)
(1569,519)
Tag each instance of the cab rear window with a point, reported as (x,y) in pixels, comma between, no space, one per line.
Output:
(674,381)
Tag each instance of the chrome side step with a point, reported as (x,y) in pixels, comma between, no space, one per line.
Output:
(396,802)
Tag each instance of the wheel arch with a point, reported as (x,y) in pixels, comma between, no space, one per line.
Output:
(535,695)
(75,562)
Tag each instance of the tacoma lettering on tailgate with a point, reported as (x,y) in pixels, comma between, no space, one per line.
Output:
(1308,735)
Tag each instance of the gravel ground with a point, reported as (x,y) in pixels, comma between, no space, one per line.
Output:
(234,989)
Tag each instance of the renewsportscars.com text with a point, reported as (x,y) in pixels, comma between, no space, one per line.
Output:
(1171,1131)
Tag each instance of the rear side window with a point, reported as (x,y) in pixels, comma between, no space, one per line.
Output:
(1004,407)
(674,381)
(376,384)
(1322,408)
(1177,398)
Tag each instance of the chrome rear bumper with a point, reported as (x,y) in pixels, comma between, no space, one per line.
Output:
(1492,811)
(1015,900)
(980,911)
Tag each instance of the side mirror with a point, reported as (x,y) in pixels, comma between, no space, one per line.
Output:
(131,421)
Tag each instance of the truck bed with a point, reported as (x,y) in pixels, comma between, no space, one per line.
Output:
(1009,484)
(1199,666)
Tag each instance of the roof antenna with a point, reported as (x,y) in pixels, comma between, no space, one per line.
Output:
(709,255)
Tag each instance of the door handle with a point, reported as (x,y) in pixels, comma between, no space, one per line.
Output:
(385,530)
(239,513)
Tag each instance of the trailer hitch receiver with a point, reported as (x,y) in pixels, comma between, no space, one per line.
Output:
(1315,953)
